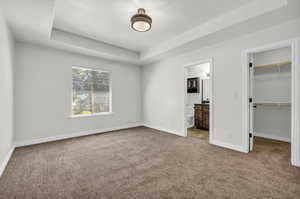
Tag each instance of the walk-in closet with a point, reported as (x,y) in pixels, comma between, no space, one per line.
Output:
(270,77)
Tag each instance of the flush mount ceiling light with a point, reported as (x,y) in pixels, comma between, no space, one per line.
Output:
(141,22)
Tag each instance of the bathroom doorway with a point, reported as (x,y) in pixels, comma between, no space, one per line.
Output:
(198,100)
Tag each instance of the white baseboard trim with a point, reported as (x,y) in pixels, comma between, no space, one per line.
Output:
(72,135)
(228,146)
(6,160)
(163,129)
(273,137)
(296,162)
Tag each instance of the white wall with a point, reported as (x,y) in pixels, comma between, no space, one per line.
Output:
(164,88)
(196,71)
(43,93)
(202,71)
(194,98)
(6,91)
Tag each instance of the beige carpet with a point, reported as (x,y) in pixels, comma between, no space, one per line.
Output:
(144,163)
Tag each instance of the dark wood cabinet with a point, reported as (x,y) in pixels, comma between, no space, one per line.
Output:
(202,116)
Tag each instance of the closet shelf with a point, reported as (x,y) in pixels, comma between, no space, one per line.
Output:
(273,104)
(274,65)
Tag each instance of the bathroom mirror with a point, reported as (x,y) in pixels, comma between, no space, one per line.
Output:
(205,90)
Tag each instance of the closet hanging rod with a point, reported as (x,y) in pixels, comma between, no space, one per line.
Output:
(273,65)
(273,104)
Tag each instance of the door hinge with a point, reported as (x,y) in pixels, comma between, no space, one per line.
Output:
(250,64)
(250,100)
(250,135)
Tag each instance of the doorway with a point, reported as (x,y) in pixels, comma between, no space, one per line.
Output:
(198,100)
(272,99)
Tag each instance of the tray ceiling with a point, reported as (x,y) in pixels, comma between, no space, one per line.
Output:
(101,28)
(109,21)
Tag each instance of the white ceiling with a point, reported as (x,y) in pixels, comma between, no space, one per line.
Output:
(29,19)
(109,20)
(101,28)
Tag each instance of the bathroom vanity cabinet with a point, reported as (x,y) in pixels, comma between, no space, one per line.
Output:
(202,116)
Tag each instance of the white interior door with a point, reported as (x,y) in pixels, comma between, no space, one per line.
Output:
(251,101)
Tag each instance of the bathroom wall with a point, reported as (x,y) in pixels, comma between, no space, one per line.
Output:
(200,71)
(196,71)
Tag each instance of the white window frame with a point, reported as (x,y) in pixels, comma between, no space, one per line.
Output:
(110,112)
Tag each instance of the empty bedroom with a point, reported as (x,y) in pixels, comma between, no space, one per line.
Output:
(153,99)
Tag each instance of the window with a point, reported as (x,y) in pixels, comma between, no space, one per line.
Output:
(91,91)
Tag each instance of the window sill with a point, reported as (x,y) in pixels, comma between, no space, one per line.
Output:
(92,115)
